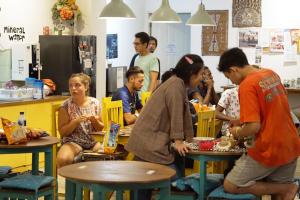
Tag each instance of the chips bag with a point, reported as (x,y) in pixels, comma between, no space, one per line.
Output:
(14,133)
(110,138)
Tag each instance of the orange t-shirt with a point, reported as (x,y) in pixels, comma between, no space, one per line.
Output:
(263,99)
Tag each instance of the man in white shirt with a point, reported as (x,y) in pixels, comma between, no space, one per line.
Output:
(147,61)
(228,108)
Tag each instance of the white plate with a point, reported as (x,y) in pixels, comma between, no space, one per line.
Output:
(197,139)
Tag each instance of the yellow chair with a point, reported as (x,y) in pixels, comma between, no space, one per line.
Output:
(145,97)
(206,128)
(112,111)
(55,109)
(105,100)
(206,123)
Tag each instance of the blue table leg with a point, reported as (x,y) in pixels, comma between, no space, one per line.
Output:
(202,179)
(70,190)
(48,164)
(79,190)
(134,194)
(49,170)
(164,193)
(119,194)
(35,163)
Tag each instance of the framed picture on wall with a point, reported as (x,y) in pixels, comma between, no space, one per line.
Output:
(111,46)
(277,41)
(248,38)
(215,38)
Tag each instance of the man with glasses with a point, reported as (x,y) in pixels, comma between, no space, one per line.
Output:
(128,94)
(146,61)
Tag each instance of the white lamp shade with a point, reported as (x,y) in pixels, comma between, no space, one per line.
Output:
(165,14)
(116,9)
(201,18)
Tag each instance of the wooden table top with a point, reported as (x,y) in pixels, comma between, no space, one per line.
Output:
(216,153)
(117,172)
(41,142)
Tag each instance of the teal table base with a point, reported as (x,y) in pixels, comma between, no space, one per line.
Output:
(35,160)
(203,161)
(74,189)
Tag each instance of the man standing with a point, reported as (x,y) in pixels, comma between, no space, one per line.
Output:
(128,94)
(146,61)
(152,47)
(269,165)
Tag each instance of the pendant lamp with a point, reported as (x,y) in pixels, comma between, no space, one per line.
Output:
(165,14)
(201,18)
(116,9)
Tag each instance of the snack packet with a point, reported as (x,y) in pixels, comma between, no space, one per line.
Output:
(33,133)
(110,138)
(14,133)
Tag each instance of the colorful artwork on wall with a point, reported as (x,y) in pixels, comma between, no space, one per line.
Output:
(246,13)
(215,38)
(248,38)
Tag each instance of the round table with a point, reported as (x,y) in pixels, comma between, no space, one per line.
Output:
(204,157)
(106,176)
(42,145)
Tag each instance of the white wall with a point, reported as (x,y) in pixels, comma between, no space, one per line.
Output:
(126,30)
(275,14)
(30,14)
(95,26)
(33,15)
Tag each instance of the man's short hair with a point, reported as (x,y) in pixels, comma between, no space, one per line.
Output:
(133,71)
(144,37)
(232,57)
(153,38)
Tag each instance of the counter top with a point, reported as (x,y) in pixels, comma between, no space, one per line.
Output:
(31,101)
(293,90)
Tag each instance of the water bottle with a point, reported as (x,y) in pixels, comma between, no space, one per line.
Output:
(22,119)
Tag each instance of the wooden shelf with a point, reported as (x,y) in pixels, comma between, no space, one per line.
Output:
(293,90)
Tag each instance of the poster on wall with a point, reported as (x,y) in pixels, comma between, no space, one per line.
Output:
(246,13)
(290,48)
(111,46)
(295,38)
(248,38)
(215,38)
(276,41)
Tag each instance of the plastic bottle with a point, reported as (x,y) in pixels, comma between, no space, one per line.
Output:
(22,119)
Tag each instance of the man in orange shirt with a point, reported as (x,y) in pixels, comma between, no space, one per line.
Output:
(269,165)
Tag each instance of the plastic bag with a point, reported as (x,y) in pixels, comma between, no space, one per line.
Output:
(110,138)
(14,133)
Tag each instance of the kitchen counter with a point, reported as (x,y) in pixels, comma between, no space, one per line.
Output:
(32,101)
(293,90)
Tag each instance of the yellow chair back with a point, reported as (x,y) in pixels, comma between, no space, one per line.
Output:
(206,123)
(145,97)
(112,111)
(55,109)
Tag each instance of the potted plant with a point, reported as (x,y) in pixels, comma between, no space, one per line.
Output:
(65,13)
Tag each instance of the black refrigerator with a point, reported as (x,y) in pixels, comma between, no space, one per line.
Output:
(61,56)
